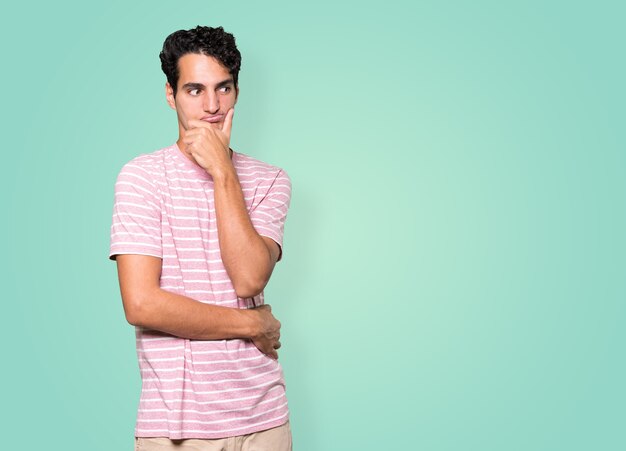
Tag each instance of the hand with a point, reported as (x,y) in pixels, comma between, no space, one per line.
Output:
(267,335)
(207,145)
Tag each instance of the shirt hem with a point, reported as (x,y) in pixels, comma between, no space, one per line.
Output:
(210,436)
(113,255)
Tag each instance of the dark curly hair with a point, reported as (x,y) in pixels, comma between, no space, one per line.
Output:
(207,41)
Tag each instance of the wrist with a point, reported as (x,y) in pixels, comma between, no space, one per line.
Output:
(250,323)
(224,175)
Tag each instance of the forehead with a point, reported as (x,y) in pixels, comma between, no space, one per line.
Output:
(197,68)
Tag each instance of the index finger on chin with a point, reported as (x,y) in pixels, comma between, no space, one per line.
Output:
(194,123)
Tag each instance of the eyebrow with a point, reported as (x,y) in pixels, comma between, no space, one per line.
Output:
(221,84)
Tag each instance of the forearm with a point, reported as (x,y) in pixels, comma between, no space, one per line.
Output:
(187,318)
(147,305)
(245,255)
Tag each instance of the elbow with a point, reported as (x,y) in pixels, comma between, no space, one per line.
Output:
(132,318)
(250,279)
(250,287)
(136,309)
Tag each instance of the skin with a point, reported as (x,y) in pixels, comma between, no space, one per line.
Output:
(204,103)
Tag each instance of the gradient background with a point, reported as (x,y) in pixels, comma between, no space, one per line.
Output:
(454,254)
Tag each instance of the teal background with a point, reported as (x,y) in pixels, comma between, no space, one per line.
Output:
(453,276)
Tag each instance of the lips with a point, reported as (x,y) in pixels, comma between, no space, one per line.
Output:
(213,119)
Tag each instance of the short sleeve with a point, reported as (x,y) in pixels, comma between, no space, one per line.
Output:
(136,224)
(269,215)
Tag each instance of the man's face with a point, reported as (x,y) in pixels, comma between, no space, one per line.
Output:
(206,91)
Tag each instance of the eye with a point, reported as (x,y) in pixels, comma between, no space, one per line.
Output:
(225,89)
(194,92)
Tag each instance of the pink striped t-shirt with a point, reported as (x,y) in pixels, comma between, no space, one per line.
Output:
(164,207)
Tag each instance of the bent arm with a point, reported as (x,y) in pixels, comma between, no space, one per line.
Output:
(147,305)
(248,257)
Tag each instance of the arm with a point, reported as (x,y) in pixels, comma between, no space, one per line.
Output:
(248,257)
(147,305)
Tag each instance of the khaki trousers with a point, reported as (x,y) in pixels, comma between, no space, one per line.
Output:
(275,439)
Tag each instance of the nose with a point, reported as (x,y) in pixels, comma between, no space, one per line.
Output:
(211,103)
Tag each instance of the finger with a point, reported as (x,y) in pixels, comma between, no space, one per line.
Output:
(190,137)
(228,123)
(200,131)
(194,123)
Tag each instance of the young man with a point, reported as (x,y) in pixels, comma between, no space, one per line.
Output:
(197,229)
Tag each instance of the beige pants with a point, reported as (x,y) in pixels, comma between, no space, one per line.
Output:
(275,439)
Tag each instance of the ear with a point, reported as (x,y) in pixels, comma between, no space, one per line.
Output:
(169,95)
(236,93)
